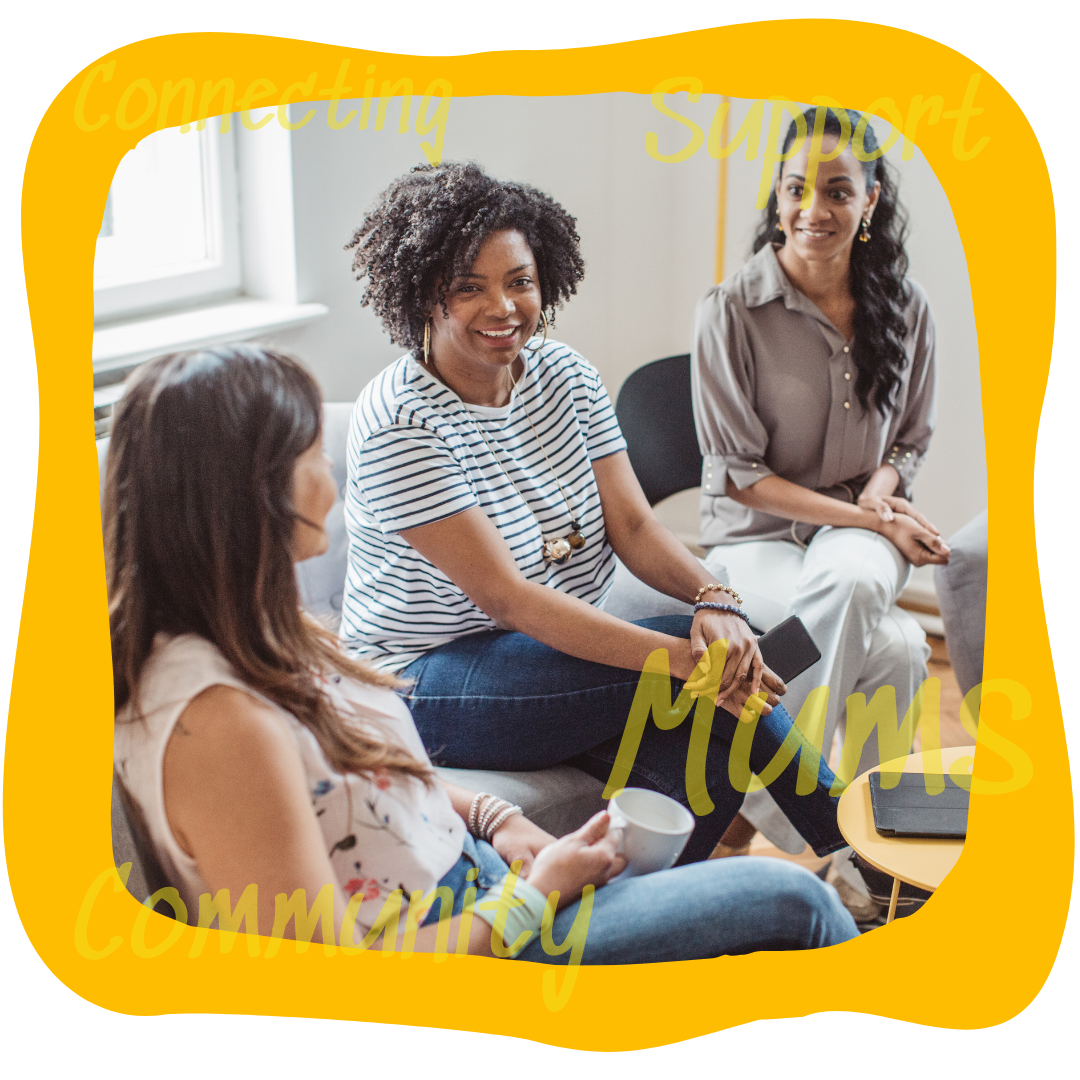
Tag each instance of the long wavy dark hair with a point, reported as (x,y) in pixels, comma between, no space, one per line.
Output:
(199,521)
(427,228)
(877,269)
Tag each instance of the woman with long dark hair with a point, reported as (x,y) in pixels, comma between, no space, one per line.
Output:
(262,758)
(813,378)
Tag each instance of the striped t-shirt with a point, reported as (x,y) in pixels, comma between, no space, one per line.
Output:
(416,455)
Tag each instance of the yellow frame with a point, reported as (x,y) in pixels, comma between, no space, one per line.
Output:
(978,952)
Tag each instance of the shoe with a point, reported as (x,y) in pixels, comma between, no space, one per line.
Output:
(863,909)
(880,886)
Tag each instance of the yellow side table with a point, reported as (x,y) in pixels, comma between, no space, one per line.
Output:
(920,862)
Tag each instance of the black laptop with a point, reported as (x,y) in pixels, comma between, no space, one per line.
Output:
(909,810)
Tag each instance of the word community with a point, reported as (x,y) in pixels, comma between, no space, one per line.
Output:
(294,909)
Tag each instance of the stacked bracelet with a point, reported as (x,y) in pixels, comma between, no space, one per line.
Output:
(723,607)
(716,587)
(488,813)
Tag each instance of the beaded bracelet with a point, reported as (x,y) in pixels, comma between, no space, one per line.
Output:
(724,607)
(716,587)
(488,813)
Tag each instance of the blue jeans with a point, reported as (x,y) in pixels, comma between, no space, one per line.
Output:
(501,700)
(724,907)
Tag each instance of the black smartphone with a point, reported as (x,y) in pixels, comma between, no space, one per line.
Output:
(788,649)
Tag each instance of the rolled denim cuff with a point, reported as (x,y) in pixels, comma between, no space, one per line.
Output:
(524,912)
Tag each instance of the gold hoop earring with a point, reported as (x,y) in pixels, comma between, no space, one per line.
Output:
(864,234)
(543,319)
(427,341)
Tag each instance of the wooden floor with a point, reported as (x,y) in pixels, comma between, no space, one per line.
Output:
(952,734)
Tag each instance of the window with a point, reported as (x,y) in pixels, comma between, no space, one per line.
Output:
(197,247)
(170,231)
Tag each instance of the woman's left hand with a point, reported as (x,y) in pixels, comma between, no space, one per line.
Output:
(519,838)
(743,666)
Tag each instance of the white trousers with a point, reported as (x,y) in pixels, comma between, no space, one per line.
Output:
(844,588)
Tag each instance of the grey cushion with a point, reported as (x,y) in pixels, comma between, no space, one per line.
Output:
(961,589)
(559,800)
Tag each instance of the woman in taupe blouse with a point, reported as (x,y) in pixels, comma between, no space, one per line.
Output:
(813,378)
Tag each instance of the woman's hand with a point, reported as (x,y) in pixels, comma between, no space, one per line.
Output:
(518,838)
(586,857)
(743,666)
(750,676)
(918,544)
(888,506)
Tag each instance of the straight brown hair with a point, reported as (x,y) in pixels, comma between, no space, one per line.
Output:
(199,521)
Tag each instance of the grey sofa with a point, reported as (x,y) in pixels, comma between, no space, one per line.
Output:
(961,589)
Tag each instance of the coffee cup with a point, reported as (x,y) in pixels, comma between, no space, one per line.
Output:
(655,829)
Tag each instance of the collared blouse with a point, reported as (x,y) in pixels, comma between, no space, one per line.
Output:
(774,393)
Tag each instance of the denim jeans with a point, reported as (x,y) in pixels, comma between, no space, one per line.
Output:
(503,701)
(724,907)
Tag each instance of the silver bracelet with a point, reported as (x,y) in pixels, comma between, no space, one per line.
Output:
(488,813)
(473,822)
(491,808)
(508,811)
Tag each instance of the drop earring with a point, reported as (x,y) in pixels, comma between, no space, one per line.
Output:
(543,319)
(864,234)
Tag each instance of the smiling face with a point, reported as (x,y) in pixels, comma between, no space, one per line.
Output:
(492,311)
(313,494)
(827,228)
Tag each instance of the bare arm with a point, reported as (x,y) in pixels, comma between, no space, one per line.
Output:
(516,840)
(654,555)
(913,535)
(471,552)
(236,800)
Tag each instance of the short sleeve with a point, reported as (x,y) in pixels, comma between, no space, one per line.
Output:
(908,446)
(405,476)
(733,439)
(605,437)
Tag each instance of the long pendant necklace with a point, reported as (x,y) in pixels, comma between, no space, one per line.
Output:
(557,550)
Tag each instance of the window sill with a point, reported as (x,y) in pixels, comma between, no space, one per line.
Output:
(123,345)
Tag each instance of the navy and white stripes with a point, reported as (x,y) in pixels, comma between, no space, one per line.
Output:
(416,456)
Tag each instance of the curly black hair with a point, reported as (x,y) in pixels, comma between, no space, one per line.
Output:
(427,228)
(877,269)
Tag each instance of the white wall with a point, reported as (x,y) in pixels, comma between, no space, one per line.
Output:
(648,234)
(648,229)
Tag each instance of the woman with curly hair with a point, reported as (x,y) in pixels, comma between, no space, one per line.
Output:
(813,381)
(489,492)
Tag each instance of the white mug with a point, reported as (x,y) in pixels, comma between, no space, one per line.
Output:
(655,829)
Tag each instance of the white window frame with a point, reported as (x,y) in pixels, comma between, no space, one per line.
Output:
(267,299)
(222,277)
